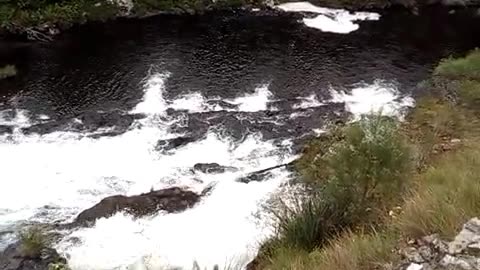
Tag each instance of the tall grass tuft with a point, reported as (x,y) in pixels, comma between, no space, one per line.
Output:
(33,242)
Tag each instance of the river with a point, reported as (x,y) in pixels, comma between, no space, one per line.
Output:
(90,115)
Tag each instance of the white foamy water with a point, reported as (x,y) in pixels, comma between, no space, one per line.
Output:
(373,98)
(328,19)
(308,102)
(69,172)
(257,101)
(195,102)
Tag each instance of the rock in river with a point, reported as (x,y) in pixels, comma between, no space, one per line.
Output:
(13,258)
(212,168)
(170,200)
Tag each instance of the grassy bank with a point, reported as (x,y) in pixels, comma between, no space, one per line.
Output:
(62,13)
(385,183)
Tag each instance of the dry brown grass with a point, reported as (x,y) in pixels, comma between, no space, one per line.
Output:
(447,196)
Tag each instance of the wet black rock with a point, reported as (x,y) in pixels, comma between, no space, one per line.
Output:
(13,258)
(255,177)
(166,145)
(116,122)
(261,175)
(170,200)
(212,168)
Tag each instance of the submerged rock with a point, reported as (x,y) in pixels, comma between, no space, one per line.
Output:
(170,200)
(13,258)
(212,168)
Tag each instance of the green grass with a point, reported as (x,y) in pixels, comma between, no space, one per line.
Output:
(63,13)
(59,12)
(460,68)
(350,251)
(358,251)
(448,195)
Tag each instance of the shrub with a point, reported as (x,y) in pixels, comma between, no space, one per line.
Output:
(33,242)
(370,166)
(469,94)
(460,68)
(352,182)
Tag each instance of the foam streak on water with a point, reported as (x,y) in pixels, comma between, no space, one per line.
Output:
(379,97)
(195,102)
(329,20)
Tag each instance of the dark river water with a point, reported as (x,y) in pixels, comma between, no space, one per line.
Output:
(94,114)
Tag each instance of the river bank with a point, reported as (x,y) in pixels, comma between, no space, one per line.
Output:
(42,20)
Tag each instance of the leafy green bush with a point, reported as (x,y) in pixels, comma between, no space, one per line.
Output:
(369,167)
(33,242)
(355,180)
(460,68)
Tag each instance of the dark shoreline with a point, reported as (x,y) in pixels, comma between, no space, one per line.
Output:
(51,32)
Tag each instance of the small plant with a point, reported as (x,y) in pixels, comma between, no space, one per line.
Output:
(8,71)
(58,266)
(33,242)
(310,222)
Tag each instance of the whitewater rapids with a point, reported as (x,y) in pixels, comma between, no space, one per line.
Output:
(53,177)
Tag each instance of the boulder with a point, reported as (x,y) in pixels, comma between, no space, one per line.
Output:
(170,200)
(12,258)
(212,168)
